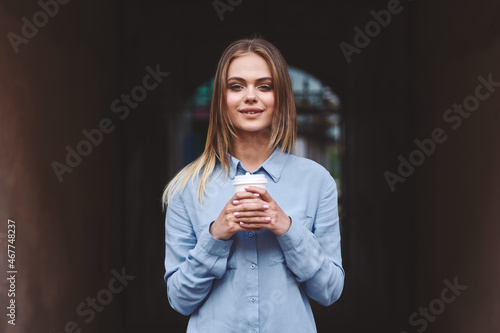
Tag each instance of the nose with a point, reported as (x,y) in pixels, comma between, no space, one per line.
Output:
(250,97)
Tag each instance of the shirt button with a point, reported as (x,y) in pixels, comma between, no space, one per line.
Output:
(253,299)
(250,234)
(252,266)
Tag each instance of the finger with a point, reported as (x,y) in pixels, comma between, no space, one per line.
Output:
(245,195)
(251,226)
(261,191)
(255,220)
(240,197)
(247,214)
(252,206)
(243,228)
(249,200)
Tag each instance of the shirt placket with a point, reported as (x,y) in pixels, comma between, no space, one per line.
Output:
(252,282)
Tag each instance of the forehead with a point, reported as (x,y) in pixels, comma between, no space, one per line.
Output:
(249,66)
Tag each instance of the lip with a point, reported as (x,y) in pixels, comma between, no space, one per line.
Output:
(251,112)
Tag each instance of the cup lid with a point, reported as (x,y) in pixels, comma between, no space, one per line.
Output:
(249,179)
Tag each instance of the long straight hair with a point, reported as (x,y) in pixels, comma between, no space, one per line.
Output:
(221,132)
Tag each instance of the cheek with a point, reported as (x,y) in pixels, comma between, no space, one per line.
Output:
(232,101)
(268,99)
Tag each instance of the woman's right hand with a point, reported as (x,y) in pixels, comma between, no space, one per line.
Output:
(228,223)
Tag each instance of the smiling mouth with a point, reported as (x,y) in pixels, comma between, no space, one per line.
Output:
(251,112)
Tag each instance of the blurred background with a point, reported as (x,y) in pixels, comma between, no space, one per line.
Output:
(102,102)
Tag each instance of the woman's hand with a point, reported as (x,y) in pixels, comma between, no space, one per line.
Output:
(276,220)
(228,222)
(252,210)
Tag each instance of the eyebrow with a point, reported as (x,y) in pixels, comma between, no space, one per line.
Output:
(241,79)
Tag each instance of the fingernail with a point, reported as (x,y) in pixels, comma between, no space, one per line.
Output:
(235,202)
(256,194)
(242,223)
(236,213)
(266,206)
(247,187)
(268,219)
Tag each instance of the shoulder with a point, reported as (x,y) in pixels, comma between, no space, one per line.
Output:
(306,165)
(186,185)
(310,172)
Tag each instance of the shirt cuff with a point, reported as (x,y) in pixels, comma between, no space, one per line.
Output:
(292,237)
(214,246)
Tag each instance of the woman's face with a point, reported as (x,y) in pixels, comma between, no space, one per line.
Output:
(250,95)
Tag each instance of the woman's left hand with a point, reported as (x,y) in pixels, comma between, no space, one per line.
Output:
(278,222)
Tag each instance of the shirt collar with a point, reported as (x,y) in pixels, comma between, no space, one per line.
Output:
(273,165)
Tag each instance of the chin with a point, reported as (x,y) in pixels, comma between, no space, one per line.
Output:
(254,129)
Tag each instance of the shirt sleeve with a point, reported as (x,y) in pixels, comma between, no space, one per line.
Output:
(191,263)
(315,257)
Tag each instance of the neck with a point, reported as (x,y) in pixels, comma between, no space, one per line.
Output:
(251,149)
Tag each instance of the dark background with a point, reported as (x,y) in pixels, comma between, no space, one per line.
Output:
(398,247)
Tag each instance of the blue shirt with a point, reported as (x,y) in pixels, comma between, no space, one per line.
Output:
(256,281)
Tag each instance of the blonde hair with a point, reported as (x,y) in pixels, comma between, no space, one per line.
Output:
(220,129)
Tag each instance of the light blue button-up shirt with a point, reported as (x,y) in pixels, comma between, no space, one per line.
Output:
(256,281)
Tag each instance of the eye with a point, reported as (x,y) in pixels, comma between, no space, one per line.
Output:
(235,87)
(266,87)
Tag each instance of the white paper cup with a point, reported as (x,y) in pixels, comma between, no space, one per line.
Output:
(240,182)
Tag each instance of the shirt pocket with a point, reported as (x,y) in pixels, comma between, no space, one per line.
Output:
(276,259)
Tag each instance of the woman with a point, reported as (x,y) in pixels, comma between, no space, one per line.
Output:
(250,261)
